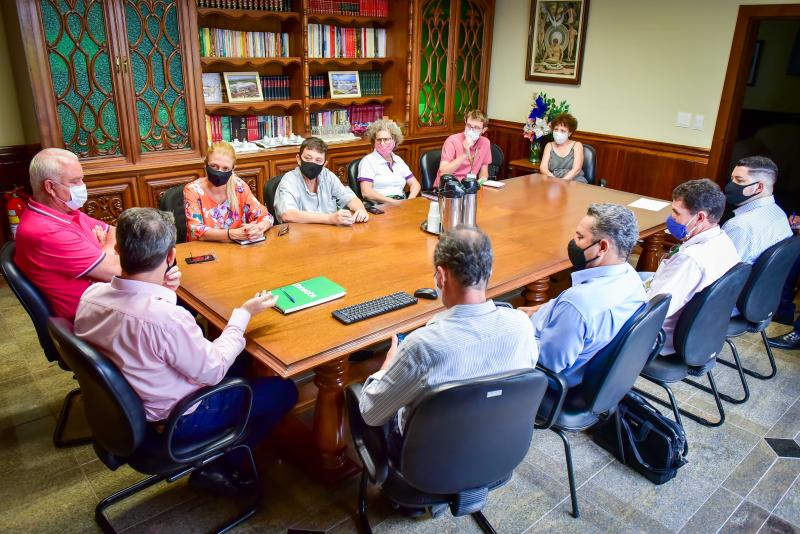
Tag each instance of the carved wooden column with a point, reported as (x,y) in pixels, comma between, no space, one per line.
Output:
(329,416)
(536,293)
(651,252)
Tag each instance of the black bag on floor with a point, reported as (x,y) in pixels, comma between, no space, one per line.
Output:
(655,445)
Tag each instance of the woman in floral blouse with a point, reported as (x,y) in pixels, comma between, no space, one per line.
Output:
(220,205)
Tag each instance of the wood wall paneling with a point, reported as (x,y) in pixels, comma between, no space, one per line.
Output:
(638,166)
(153,186)
(255,176)
(338,162)
(108,198)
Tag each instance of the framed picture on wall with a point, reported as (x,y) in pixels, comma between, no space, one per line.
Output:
(243,87)
(344,84)
(556,39)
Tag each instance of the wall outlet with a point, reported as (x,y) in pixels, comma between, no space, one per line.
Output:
(697,122)
(683,119)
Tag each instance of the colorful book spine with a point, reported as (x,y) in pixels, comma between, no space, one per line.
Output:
(325,41)
(219,42)
(247,128)
(252,5)
(364,8)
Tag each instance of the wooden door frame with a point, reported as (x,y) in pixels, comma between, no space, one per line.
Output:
(741,56)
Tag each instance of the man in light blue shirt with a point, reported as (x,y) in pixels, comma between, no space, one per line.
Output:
(758,223)
(606,291)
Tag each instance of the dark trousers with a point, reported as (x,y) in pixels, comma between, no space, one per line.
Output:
(273,397)
(787,306)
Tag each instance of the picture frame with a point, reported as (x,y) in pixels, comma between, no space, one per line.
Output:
(243,87)
(752,72)
(344,84)
(556,41)
(212,88)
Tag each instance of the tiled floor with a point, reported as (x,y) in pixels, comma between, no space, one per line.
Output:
(734,481)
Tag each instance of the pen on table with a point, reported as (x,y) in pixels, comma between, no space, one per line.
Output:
(288,296)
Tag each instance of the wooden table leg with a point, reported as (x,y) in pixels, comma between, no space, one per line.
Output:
(651,252)
(536,293)
(329,414)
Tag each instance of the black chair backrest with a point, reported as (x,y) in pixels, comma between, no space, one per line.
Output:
(30,297)
(589,162)
(611,373)
(429,166)
(114,411)
(498,158)
(762,292)
(172,201)
(352,177)
(270,188)
(703,324)
(471,433)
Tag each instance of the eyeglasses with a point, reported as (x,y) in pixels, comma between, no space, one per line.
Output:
(384,140)
(474,128)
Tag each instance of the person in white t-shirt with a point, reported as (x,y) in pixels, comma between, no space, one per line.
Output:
(383,176)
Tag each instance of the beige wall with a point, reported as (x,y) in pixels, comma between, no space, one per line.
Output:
(11,132)
(645,60)
(775,90)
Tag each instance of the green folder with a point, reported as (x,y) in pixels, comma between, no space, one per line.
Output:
(306,294)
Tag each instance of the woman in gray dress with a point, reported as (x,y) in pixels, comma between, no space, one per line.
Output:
(563,158)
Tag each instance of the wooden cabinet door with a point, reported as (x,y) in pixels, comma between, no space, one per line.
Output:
(472,52)
(255,176)
(338,162)
(109,197)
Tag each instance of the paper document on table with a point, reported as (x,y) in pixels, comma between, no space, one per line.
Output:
(648,204)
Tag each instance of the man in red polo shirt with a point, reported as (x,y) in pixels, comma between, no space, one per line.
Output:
(59,248)
(467,152)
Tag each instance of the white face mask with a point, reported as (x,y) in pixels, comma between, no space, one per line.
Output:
(78,195)
(471,134)
(560,137)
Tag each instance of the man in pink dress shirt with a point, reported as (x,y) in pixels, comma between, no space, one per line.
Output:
(157,345)
(467,152)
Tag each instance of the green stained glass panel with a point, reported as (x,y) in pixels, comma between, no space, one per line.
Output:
(433,63)
(468,64)
(78,55)
(157,72)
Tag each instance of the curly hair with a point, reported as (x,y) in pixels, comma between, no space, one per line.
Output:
(381,125)
(467,253)
(566,120)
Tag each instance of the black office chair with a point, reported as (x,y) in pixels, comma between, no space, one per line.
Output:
(352,177)
(608,377)
(172,201)
(589,162)
(270,188)
(429,166)
(462,440)
(698,338)
(39,311)
(498,158)
(760,298)
(122,436)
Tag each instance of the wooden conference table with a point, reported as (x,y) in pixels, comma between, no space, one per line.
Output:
(530,221)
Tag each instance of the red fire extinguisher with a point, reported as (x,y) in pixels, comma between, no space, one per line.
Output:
(15,205)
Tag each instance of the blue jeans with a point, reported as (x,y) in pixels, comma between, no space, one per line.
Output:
(273,397)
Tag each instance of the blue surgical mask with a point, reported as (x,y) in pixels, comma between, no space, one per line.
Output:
(677,230)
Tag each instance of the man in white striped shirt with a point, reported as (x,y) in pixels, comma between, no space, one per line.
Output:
(472,338)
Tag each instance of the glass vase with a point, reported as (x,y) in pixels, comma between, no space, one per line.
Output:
(536,152)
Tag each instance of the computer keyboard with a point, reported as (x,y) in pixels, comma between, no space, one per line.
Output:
(371,308)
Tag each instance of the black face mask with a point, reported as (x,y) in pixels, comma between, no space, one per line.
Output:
(734,193)
(310,169)
(577,256)
(216,177)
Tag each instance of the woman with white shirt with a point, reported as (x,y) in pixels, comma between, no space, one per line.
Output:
(382,174)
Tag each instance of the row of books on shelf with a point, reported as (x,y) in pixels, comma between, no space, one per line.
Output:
(363,8)
(219,42)
(272,87)
(353,115)
(260,5)
(326,41)
(247,127)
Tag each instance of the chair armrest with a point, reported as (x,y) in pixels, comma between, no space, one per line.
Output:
(661,338)
(224,438)
(558,383)
(370,441)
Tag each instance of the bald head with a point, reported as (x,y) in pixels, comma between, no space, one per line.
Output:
(53,164)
